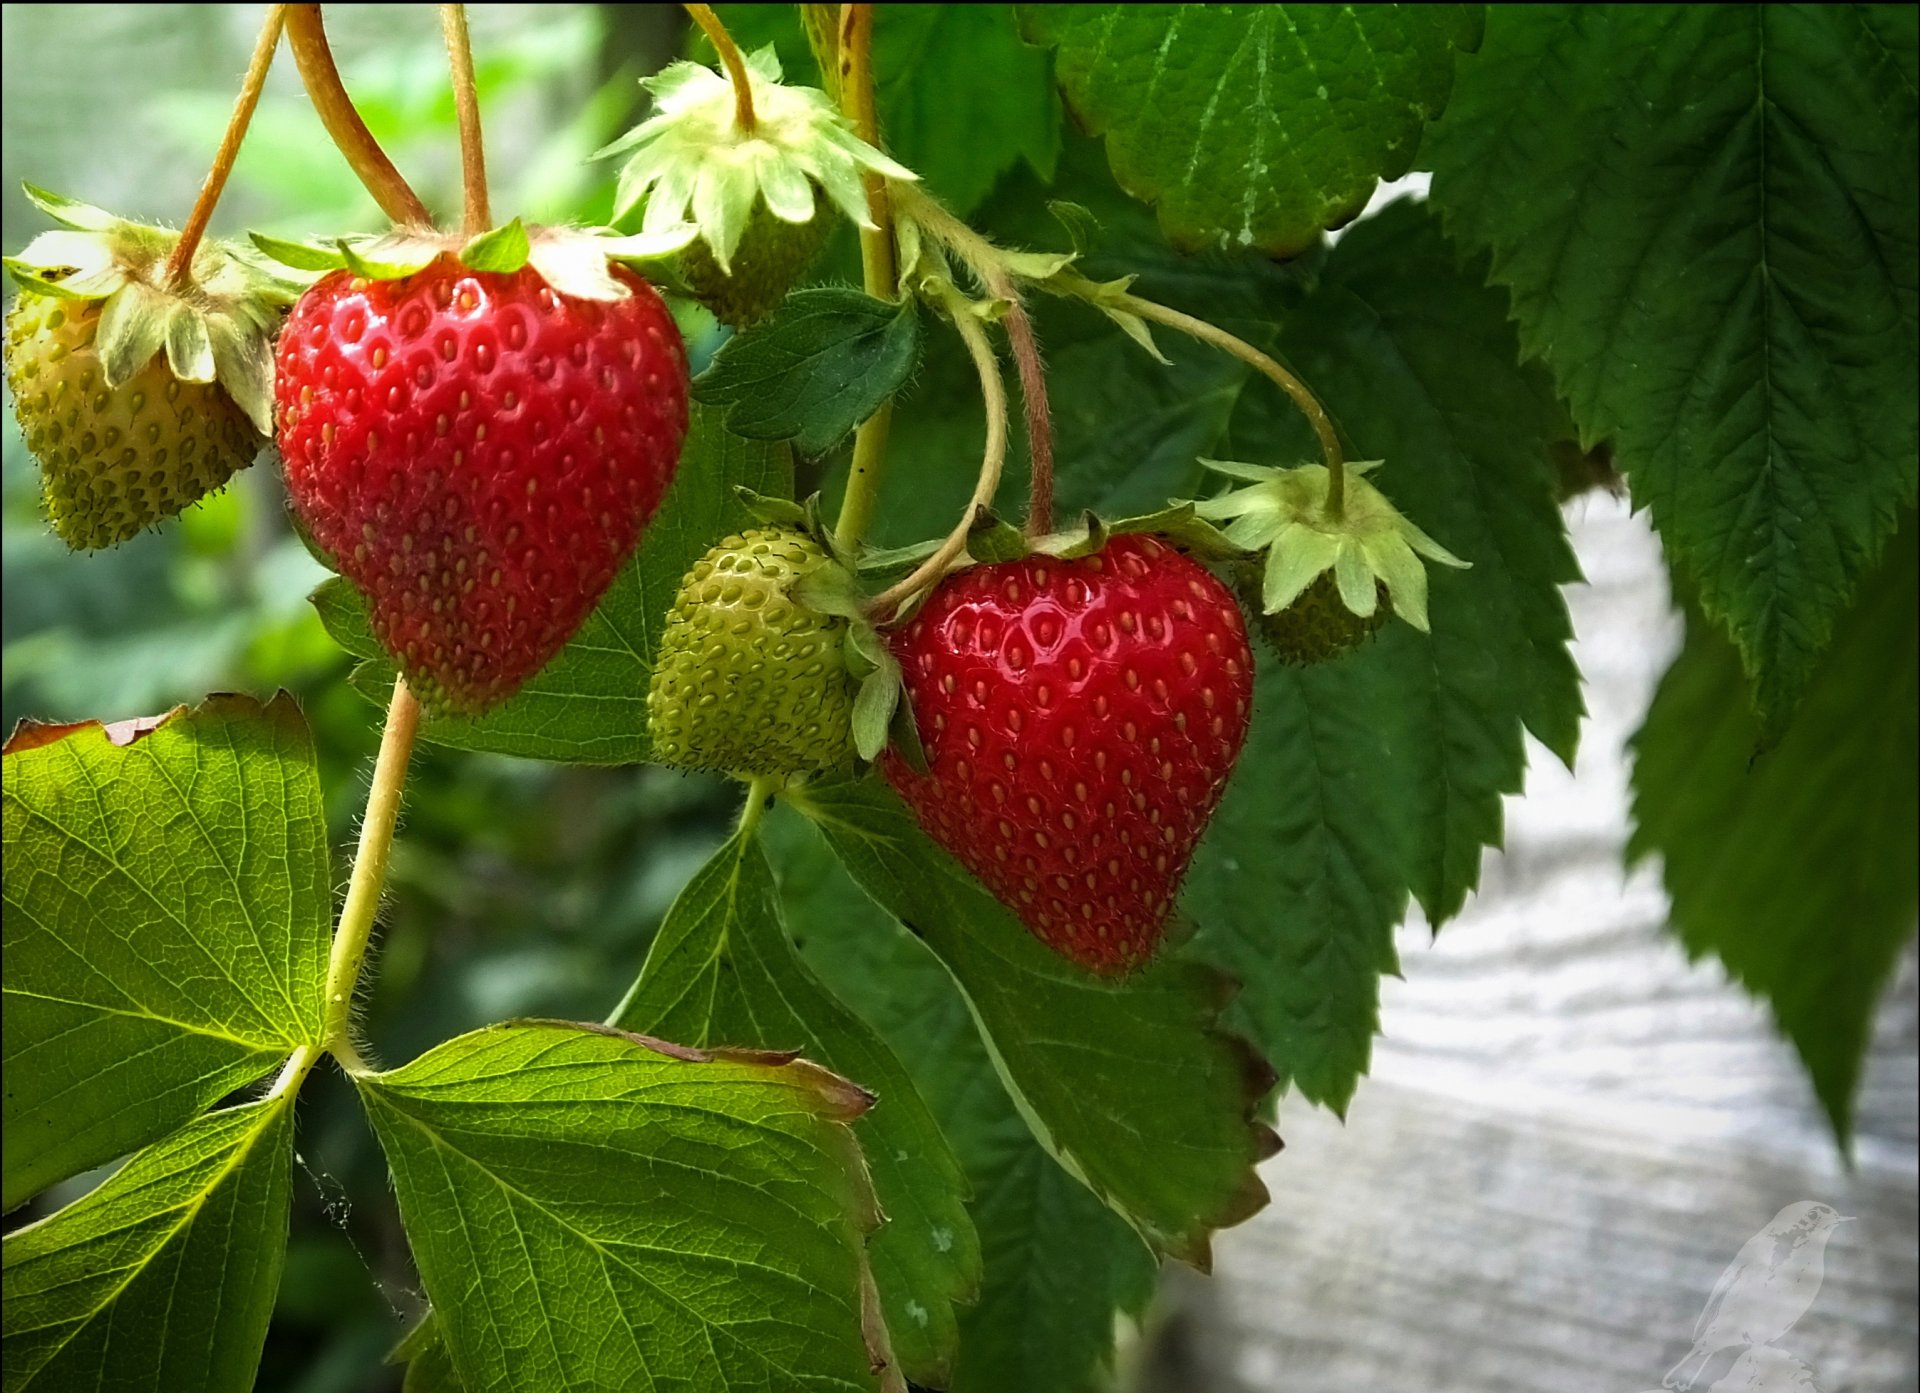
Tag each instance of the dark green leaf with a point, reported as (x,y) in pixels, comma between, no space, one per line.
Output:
(823,363)
(1254,127)
(589,705)
(164,1276)
(168,898)
(1707,215)
(1385,770)
(1795,866)
(592,1210)
(722,972)
(1125,1081)
(1059,1264)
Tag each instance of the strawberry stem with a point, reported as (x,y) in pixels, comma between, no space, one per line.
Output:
(307,37)
(466,99)
(984,260)
(369,872)
(994,392)
(1302,396)
(735,65)
(878,266)
(180,261)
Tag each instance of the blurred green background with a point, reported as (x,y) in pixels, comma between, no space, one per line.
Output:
(518,888)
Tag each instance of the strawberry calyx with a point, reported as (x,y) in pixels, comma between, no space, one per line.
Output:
(216,323)
(574,261)
(1368,547)
(697,169)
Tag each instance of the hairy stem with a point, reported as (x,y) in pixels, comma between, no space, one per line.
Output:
(476,218)
(730,58)
(759,793)
(879,269)
(994,393)
(982,258)
(308,40)
(1303,398)
(181,258)
(822,23)
(369,870)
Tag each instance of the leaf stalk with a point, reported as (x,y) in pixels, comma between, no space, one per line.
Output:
(730,58)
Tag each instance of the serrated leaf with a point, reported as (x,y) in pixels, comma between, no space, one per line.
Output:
(168,898)
(1707,218)
(1385,770)
(1059,1264)
(589,705)
(1254,127)
(1126,1082)
(722,972)
(823,363)
(588,1209)
(503,249)
(1794,865)
(164,1276)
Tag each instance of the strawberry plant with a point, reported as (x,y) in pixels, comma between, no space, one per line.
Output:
(1117,566)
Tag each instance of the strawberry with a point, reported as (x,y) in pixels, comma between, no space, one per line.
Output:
(1317,627)
(748,679)
(1079,718)
(114,462)
(478,452)
(771,256)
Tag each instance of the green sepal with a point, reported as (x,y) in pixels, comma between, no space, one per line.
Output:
(299,256)
(503,250)
(1181,524)
(134,322)
(830,589)
(1083,540)
(882,559)
(53,281)
(904,733)
(866,652)
(389,258)
(68,212)
(1078,220)
(770,509)
(992,539)
(874,705)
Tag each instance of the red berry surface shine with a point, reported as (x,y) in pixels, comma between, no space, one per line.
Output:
(1080,719)
(478,454)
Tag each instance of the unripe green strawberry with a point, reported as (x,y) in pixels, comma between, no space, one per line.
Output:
(748,680)
(1317,626)
(772,255)
(114,462)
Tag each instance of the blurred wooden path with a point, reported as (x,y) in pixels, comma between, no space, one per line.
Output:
(1569,1131)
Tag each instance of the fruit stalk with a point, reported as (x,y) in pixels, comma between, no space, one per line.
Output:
(1302,396)
(879,270)
(308,39)
(476,217)
(994,393)
(181,258)
(369,871)
(736,66)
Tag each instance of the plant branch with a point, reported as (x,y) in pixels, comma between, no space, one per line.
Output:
(988,264)
(1302,396)
(730,58)
(879,269)
(476,218)
(369,870)
(993,391)
(180,260)
(759,791)
(308,39)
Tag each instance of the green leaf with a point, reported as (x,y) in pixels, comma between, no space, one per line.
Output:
(824,362)
(168,898)
(958,133)
(722,972)
(589,705)
(590,1209)
(1058,1263)
(163,1276)
(1706,215)
(1385,770)
(1125,1081)
(504,249)
(1255,127)
(1794,865)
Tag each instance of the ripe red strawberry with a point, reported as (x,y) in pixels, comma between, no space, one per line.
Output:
(478,453)
(1080,719)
